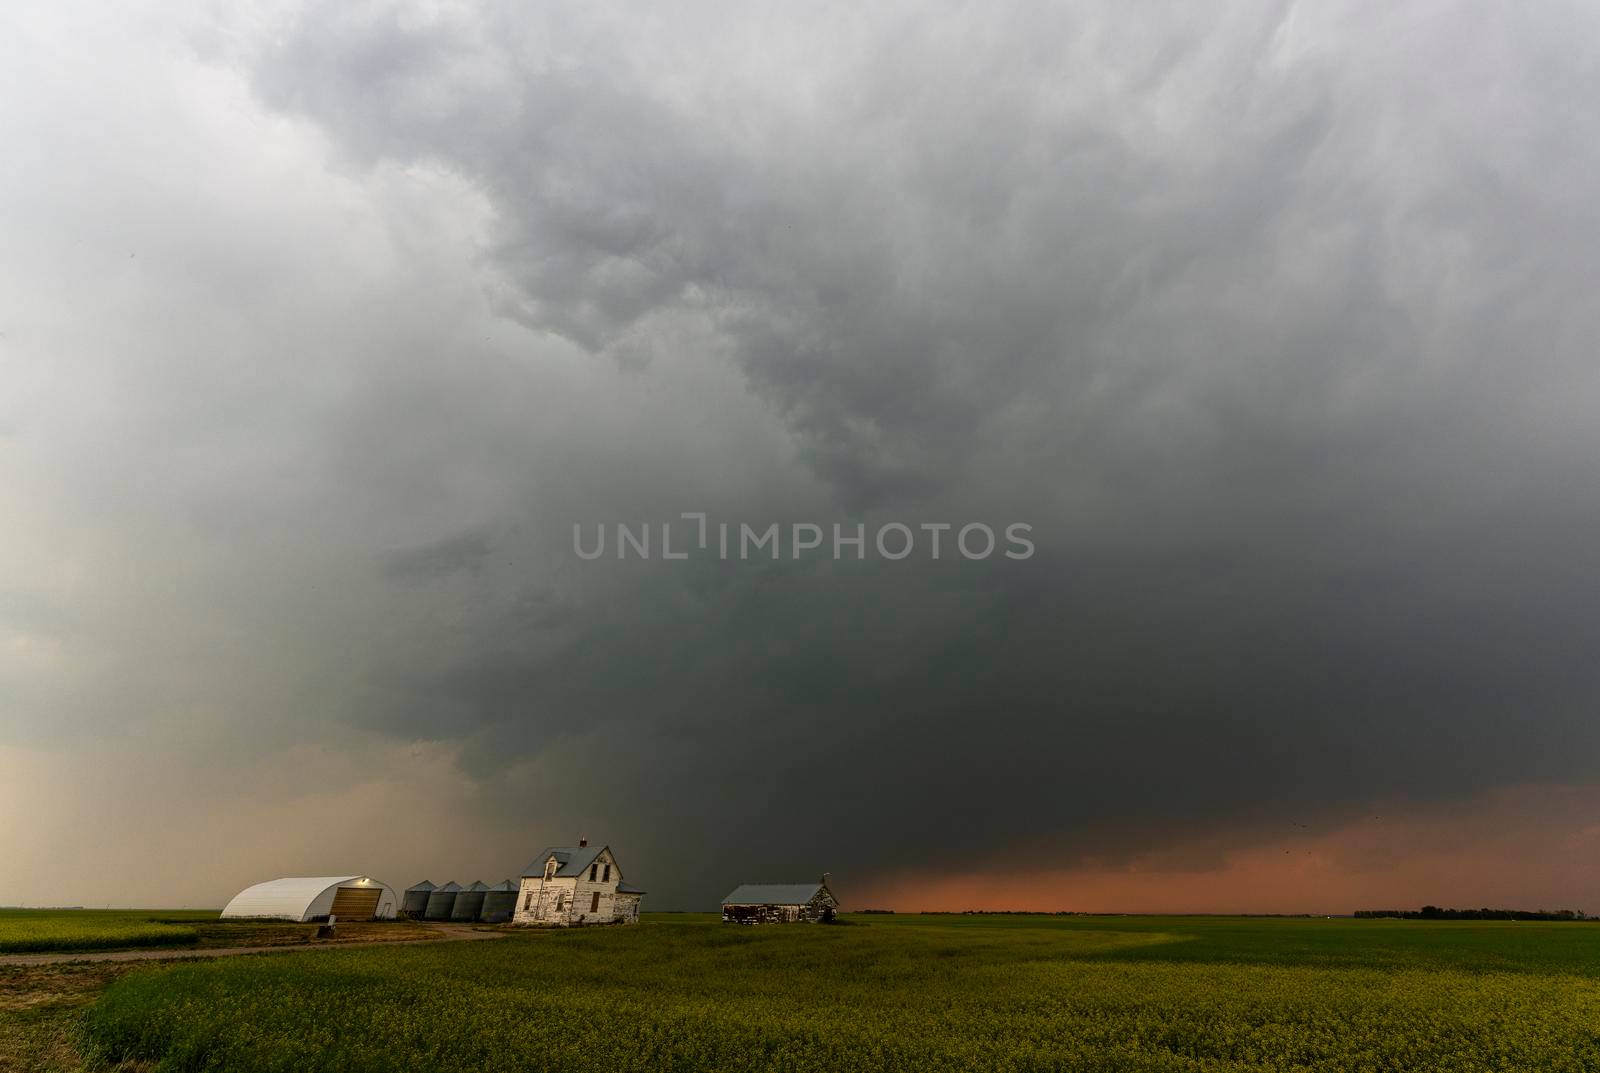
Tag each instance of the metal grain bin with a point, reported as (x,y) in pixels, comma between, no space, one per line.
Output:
(469,903)
(441,902)
(416,901)
(499,903)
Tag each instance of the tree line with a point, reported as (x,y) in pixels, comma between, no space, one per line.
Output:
(1433,912)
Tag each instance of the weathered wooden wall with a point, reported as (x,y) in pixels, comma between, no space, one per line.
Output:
(576,895)
(818,909)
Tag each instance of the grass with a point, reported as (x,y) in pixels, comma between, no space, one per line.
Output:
(40,1005)
(25,931)
(39,1010)
(218,933)
(46,930)
(896,993)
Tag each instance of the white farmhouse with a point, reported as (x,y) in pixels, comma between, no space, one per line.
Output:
(579,884)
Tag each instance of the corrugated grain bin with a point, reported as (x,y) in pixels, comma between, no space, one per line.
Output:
(469,903)
(500,903)
(416,903)
(441,902)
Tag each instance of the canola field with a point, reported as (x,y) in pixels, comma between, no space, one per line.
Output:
(48,930)
(686,993)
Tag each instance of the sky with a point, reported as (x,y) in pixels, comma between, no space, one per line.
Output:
(324,328)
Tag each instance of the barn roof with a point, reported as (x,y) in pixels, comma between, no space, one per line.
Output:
(302,897)
(773,894)
(572,859)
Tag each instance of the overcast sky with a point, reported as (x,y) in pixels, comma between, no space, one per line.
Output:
(321,326)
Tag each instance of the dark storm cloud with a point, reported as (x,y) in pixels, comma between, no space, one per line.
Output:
(463,553)
(1275,326)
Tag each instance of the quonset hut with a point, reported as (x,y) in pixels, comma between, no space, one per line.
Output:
(469,903)
(306,898)
(499,903)
(416,902)
(441,902)
(780,903)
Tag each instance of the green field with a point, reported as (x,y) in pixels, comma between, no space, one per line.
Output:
(44,930)
(889,993)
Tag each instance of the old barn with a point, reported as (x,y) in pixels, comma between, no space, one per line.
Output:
(780,903)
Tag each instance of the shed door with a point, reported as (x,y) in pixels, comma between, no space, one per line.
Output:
(356,903)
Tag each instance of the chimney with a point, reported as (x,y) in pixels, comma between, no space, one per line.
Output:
(582,842)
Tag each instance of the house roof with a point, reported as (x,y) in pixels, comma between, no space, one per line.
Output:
(773,894)
(629,888)
(572,859)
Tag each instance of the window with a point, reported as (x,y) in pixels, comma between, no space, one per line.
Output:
(594,902)
(527,903)
(594,870)
(607,876)
(550,868)
(561,901)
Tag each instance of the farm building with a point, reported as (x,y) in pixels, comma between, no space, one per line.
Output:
(416,902)
(580,884)
(441,901)
(315,897)
(469,903)
(499,903)
(780,903)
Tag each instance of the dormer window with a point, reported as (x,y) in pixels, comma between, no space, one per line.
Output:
(550,868)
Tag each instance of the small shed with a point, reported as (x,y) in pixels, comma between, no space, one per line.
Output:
(441,902)
(499,903)
(469,903)
(780,903)
(416,901)
(306,898)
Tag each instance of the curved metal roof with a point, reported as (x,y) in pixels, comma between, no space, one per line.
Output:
(302,897)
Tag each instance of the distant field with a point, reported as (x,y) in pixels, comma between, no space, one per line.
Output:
(32,930)
(890,993)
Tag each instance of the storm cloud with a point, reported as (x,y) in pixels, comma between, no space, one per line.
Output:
(330,322)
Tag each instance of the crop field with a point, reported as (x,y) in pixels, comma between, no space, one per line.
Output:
(887,993)
(33,930)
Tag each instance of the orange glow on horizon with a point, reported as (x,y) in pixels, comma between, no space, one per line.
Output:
(1515,848)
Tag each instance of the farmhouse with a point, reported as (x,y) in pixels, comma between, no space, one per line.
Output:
(780,903)
(579,884)
(306,898)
